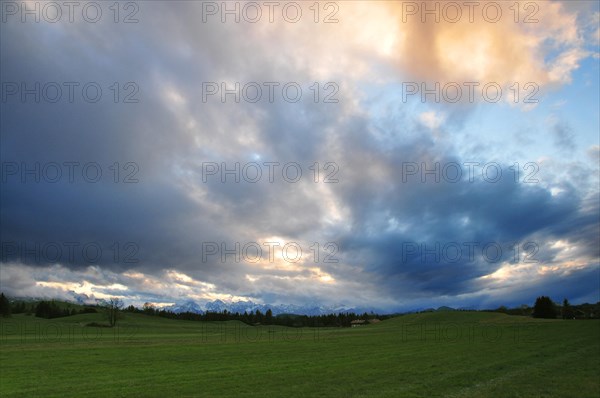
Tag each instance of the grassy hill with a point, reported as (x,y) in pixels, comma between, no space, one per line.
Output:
(449,354)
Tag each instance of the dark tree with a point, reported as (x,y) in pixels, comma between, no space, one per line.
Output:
(45,309)
(19,308)
(544,308)
(567,310)
(149,309)
(269,317)
(258,317)
(112,307)
(49,310)
(4,306)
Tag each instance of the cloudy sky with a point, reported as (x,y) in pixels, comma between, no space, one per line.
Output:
(351,152)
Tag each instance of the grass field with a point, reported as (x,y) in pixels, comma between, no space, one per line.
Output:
(449,354)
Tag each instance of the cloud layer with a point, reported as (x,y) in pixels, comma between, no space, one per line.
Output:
(147,229)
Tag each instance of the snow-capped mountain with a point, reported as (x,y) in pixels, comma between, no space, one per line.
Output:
(250,306)
(234,306)
(187,306)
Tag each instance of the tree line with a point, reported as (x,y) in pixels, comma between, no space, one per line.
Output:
(259,318)
(42,309)
(545,308)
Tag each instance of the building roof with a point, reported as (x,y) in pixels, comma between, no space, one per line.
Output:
(357,322)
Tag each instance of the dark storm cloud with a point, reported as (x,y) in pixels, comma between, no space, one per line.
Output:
(498,213)
(156,213)
(458,214)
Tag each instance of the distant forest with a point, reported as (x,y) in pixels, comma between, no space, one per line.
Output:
(258,318)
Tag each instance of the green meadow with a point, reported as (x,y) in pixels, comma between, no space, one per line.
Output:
(439,354)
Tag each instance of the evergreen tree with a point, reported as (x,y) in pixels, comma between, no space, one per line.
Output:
(44,310)
(567,310)
(544,308)
(4,306)
(258,317)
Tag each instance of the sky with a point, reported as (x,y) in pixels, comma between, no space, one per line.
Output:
(383,154)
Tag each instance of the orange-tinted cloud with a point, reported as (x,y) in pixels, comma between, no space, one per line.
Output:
(544,52)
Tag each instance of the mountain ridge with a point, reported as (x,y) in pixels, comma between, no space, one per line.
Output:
(250,306)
